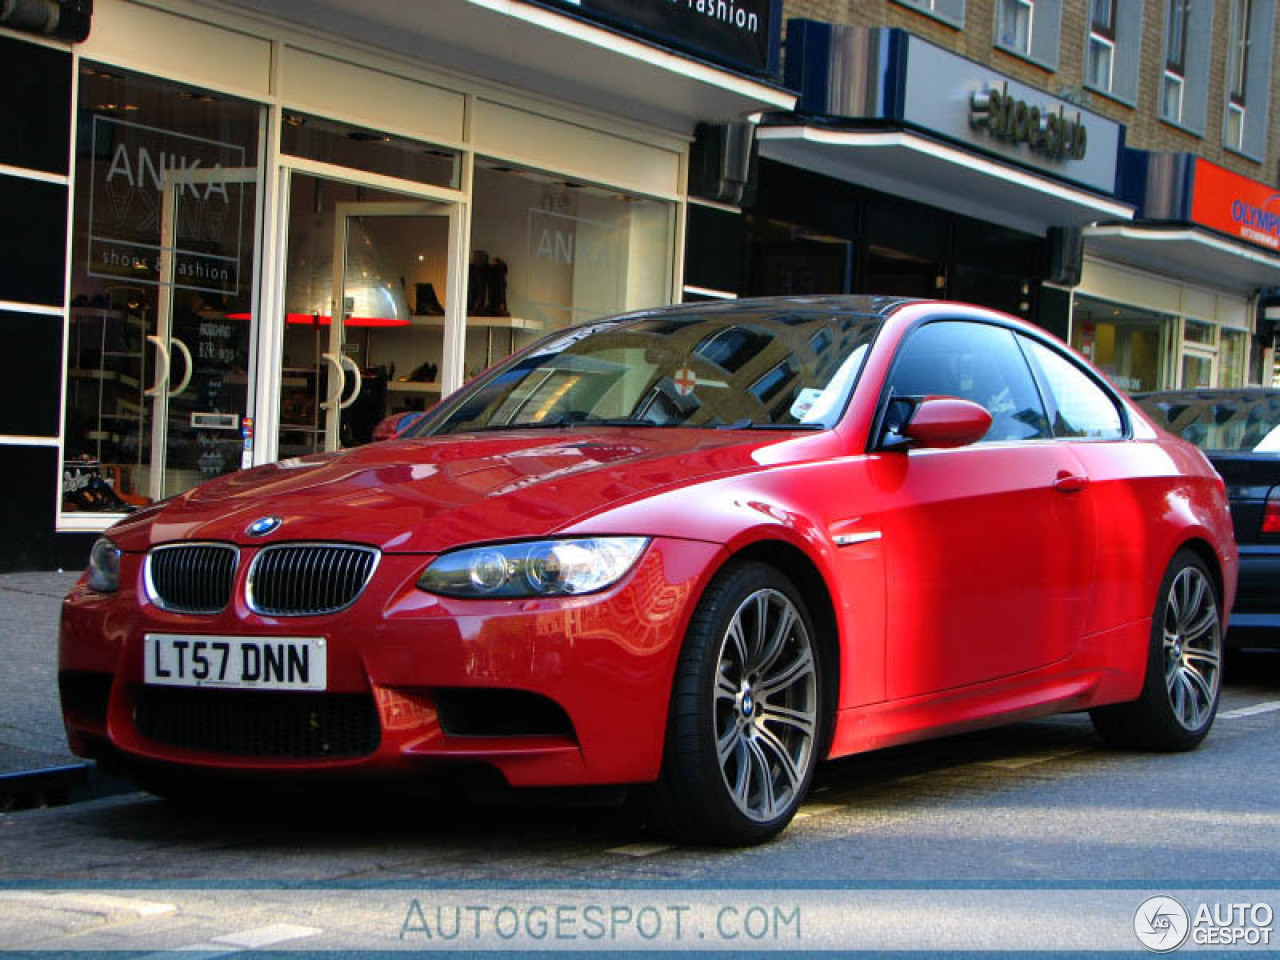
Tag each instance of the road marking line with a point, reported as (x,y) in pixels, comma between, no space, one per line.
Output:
(1269,706)
(266,936)
(641,849)
(816,810)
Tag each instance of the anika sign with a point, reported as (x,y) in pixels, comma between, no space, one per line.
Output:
(1235,205)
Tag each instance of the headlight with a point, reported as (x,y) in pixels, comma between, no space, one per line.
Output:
(541,568)
(104,566)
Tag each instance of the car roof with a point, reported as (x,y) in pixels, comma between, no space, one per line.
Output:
(766,306)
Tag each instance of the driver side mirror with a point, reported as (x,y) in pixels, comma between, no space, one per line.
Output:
(933,423)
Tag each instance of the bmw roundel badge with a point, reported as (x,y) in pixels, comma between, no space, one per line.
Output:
(262,526)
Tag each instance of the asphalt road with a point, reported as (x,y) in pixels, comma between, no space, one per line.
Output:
(1039,809)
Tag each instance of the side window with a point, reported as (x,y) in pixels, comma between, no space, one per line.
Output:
(977,362)
(1082,408)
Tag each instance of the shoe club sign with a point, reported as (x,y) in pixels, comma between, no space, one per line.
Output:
(745,34)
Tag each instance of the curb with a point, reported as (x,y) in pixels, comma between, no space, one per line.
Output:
(45,786)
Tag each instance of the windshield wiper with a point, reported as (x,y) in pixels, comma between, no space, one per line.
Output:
(574,421)
(748,424)
(561,423)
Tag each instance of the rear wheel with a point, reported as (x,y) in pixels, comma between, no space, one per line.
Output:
(1184,666)
(746,717)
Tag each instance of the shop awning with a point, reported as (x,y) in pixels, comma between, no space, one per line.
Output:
(928,171)
(547,53)
(1187,253)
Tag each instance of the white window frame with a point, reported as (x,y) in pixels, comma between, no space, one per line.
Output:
(1013,7)
(1175,79)
(1238,74)
(1101,41)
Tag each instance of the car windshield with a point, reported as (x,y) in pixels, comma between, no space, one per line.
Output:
(727,367)
(1242,421)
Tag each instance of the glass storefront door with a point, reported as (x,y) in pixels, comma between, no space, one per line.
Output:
(200,388)
(366,282)
(161,322)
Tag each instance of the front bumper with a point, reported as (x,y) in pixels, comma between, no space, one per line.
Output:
(550,692)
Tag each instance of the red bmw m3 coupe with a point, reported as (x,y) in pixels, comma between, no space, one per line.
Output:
(696,549)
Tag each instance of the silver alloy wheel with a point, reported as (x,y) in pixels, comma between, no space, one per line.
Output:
(1192,648)
(766,705)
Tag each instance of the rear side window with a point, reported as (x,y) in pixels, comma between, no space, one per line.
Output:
(1081,407)
(976,362)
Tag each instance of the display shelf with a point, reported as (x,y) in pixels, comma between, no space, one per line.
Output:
(503,323)
(412,386)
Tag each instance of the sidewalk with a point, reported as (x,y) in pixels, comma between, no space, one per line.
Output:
(31,734)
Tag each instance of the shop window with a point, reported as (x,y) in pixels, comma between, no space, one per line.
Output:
(161,320)
(1081,407)
(315,138)
(787,259)
(1127,344)
(548,252)
(1030,29)
(1232,358)
(1113,48)
(948,11)
(1187,46)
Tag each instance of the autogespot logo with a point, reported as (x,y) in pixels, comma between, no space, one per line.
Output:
(1161,924)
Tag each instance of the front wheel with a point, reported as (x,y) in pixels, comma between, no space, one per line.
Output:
(746,719)
(1184,670)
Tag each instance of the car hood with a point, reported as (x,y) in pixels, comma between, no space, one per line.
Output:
(429,495)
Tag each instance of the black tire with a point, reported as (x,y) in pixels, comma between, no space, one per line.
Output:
(1183,682)
(770,716)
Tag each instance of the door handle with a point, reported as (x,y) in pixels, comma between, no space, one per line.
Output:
(186,355)
(335,396)
(348,362)
(1070,482)
(162,369)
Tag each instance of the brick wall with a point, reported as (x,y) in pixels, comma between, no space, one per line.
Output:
(1145,129)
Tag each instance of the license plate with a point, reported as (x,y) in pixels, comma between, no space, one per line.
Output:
(253,663)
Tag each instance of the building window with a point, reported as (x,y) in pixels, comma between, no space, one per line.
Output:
(1238,72)
(1030,29)
(948,11)
(1188,46)
(1113,48)
(1175,60)
(1016,19)
(1102,44)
